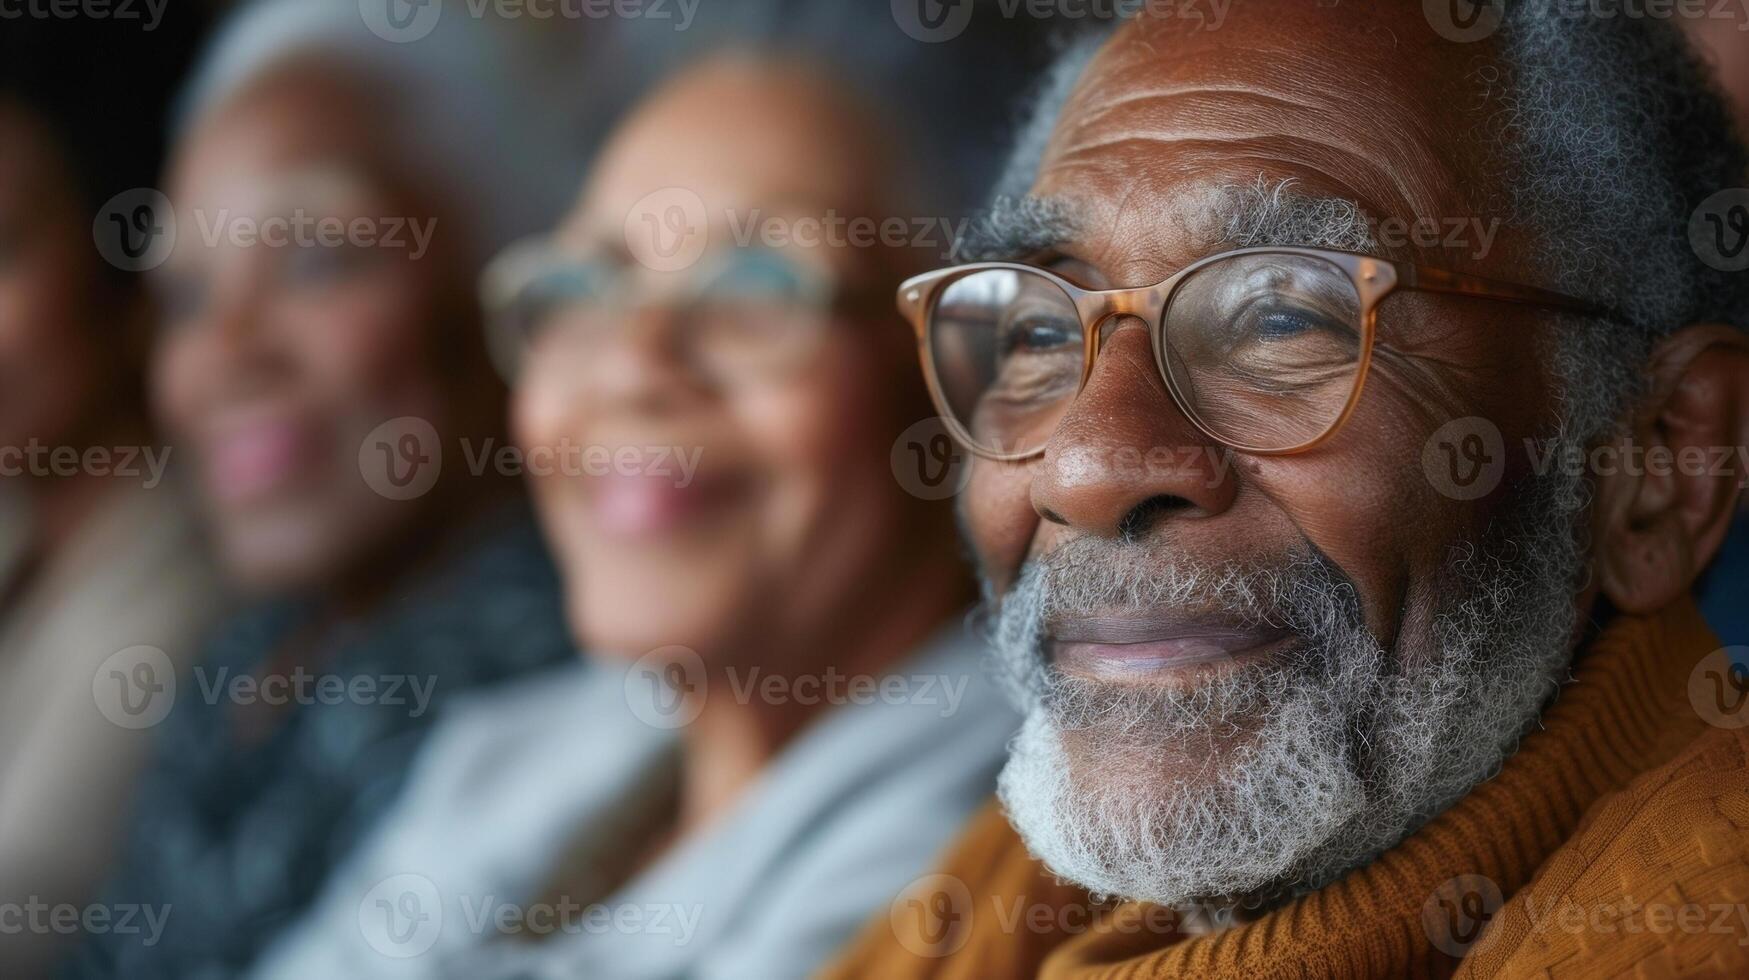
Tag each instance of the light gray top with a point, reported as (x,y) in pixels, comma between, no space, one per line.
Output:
(90,652)
(549,771)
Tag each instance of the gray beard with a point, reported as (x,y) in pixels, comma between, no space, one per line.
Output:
(1277,778)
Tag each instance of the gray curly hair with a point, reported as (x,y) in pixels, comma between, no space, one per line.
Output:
(1612,133)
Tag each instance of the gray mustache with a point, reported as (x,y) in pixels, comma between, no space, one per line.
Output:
(1304,592)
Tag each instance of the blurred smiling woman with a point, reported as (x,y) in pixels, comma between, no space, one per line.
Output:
(798,714)
(287,358)
(104,583)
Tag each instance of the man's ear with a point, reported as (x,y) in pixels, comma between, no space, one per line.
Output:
(1665,507)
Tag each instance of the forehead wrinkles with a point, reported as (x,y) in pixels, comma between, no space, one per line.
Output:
(1150,117)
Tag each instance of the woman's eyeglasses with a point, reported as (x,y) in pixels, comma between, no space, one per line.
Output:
(739,313)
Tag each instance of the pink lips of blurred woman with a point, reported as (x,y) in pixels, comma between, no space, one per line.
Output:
(645,506)
(249,461)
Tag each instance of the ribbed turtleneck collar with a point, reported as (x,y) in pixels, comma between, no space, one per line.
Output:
(1625,711)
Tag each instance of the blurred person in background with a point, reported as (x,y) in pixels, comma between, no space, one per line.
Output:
(330,390)
(98,552)
(1723,38)
(797,716)
(1724,44)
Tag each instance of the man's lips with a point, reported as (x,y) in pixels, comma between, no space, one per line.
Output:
(1128,645)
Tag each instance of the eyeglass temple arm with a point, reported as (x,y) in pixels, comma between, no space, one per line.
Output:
(1442,281)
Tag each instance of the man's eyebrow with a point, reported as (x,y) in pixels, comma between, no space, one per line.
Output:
(1258,214)
(1013,227)
(1262,213)
(1274,213)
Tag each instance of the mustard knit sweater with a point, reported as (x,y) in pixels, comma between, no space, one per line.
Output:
(1614,842)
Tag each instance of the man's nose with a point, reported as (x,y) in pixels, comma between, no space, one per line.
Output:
(1124,456)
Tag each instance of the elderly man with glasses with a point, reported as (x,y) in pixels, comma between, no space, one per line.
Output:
(1356,396)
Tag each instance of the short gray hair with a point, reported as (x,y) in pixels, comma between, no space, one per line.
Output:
(1615,133)
(1611,134)
(445,93)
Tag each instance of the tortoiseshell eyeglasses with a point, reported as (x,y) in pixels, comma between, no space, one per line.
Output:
(1264,349)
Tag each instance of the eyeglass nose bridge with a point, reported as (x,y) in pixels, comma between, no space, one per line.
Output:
(1100,309)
